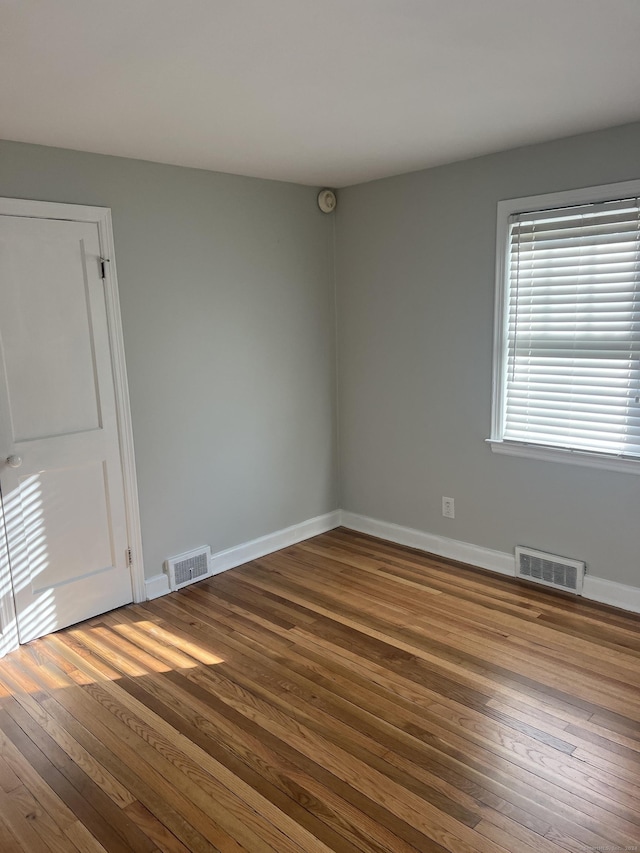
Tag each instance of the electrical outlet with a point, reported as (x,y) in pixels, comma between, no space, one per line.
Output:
(448,507)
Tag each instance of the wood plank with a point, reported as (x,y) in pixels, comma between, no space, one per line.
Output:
(586,808)
(20,825)
(43,824)
(344,695)
(9,843)
(74,751)
(584,816)
(116,837)
(207,776)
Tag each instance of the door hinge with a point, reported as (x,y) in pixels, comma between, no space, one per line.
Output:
(103,261)
(129,557)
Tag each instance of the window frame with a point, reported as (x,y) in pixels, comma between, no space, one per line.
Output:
(497,442)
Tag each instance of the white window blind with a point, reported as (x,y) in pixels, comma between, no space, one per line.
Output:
(572,372)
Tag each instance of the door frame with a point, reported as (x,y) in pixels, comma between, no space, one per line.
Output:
(101,216)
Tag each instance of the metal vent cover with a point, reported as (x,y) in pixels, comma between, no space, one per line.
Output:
(550,569)
(189,567)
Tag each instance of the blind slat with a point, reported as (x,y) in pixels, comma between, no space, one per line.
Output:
(573,328)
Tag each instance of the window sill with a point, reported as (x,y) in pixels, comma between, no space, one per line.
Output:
(570,457)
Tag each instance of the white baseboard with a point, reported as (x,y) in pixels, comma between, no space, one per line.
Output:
(452,549)
(610,592)
(594,588)
(233,557)
(158,585)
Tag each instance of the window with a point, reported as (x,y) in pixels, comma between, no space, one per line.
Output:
(567,343)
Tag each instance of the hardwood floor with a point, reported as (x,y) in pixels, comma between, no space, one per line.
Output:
(344,694)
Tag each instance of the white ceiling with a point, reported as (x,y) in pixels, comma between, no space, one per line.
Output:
(322,92)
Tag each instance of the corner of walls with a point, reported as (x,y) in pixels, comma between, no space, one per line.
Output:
(333,267)
(415,342)
(222,561)
(594,588)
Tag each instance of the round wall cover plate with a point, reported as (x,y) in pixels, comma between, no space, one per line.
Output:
(327,201)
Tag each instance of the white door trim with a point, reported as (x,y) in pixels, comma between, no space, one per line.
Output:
(101,216)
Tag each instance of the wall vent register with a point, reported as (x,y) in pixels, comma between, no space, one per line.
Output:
(550,570)
(189,567)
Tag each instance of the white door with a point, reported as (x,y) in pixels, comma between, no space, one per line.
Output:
(60,465)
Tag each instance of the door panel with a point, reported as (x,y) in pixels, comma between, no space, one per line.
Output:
(64,505)
(61,550)
(51,387)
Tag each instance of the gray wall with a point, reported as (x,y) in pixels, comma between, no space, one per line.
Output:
(226,289)
(227,299)
(415,265)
